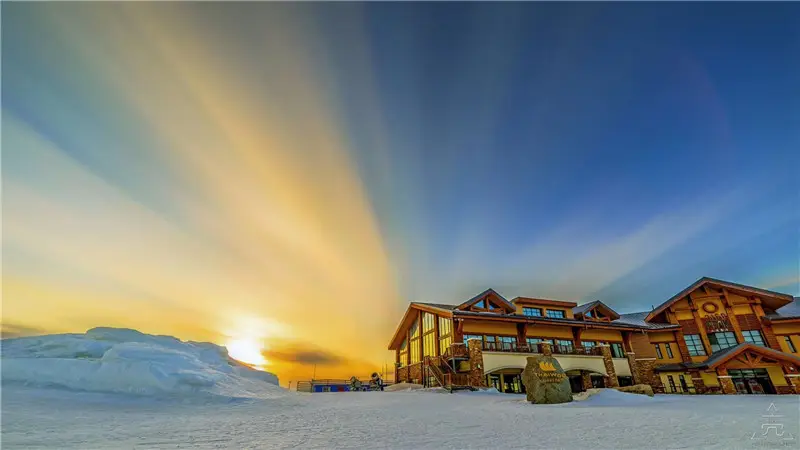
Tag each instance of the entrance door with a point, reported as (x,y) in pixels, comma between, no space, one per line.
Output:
(751,381)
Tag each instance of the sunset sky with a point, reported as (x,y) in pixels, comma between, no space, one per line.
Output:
(292,175)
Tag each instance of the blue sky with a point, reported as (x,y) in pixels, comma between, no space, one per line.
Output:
(172,158)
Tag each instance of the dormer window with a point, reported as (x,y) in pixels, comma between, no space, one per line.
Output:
(532,312)
(555,313)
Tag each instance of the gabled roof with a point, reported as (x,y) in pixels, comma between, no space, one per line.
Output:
(436,305)
(544,302)
(582,310)
(519,318)
(408,318)
(790,311)
(637,319)
(483,295)
(781,299)
(720,357)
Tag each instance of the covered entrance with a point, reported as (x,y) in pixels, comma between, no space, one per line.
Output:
(751,381)
(507,381)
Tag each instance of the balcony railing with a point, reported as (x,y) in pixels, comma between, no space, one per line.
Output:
(513,347)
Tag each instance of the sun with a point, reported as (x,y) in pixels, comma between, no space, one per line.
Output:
(247,351)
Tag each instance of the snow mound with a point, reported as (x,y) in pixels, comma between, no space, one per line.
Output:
(403,387)
(613,397)
(127,361)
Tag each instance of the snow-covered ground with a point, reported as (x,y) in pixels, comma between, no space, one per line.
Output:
(241,411)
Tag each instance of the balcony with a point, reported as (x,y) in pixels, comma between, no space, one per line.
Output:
(513,347)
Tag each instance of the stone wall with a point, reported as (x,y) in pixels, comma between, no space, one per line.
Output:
(611,380)
(415,373)
(643,373)
(476,377)
(402,375)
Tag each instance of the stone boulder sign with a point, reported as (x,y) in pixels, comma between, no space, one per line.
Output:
(545,381)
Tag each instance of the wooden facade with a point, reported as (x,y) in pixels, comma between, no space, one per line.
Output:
(714,336)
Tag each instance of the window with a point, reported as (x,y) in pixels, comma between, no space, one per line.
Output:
(753,337)
(445,334)
(429,344)
(490,342)
(467,337)
(790,344)
(532,312)
(404,353)
(671,383)
(415,329)
(694,344)
(415,351)
(721,340)
(669,350)
(616,350)
(480,304)
(684,384)
(589,344)
(555,314)
(507,342)
(658,352)
(564,346)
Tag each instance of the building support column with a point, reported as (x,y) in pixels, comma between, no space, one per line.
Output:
(725,381)
(635,375)
(476,376)
(586,379)
(522,335)
(611,378)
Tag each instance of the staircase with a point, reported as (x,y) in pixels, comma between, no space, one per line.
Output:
(449,378)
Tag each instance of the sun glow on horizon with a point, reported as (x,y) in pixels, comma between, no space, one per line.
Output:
(247,351)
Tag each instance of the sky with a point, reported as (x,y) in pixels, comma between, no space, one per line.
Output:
(291,176)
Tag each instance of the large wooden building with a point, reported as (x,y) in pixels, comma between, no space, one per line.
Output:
(714,336)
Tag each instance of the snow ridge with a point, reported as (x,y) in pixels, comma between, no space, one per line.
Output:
(127,361)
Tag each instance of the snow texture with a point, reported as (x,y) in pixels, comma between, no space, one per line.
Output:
(86,392)
(115,360)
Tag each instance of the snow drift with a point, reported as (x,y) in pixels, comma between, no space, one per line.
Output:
(128,361)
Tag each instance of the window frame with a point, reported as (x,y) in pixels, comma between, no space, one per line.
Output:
(749,333)
(659,355)
(694,342)
(788,340)
(668,348)
(563,315)
(525,310)
(717,343)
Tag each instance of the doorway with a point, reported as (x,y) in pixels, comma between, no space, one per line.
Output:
(751,381)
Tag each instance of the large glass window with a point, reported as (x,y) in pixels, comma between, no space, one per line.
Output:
(616,350)
(414,351)
(404,353)
(532,312)
(668,348)
(555,314)
(428,321)
(659,355)
(789,344)
(753,337)
(445,334)
(721,340)
(429,344)
(415,329)
(695,344)
(564,346)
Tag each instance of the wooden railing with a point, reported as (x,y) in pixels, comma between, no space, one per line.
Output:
(513,347)
(456,350)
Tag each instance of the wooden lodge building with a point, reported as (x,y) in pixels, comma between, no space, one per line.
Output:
(713,337)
